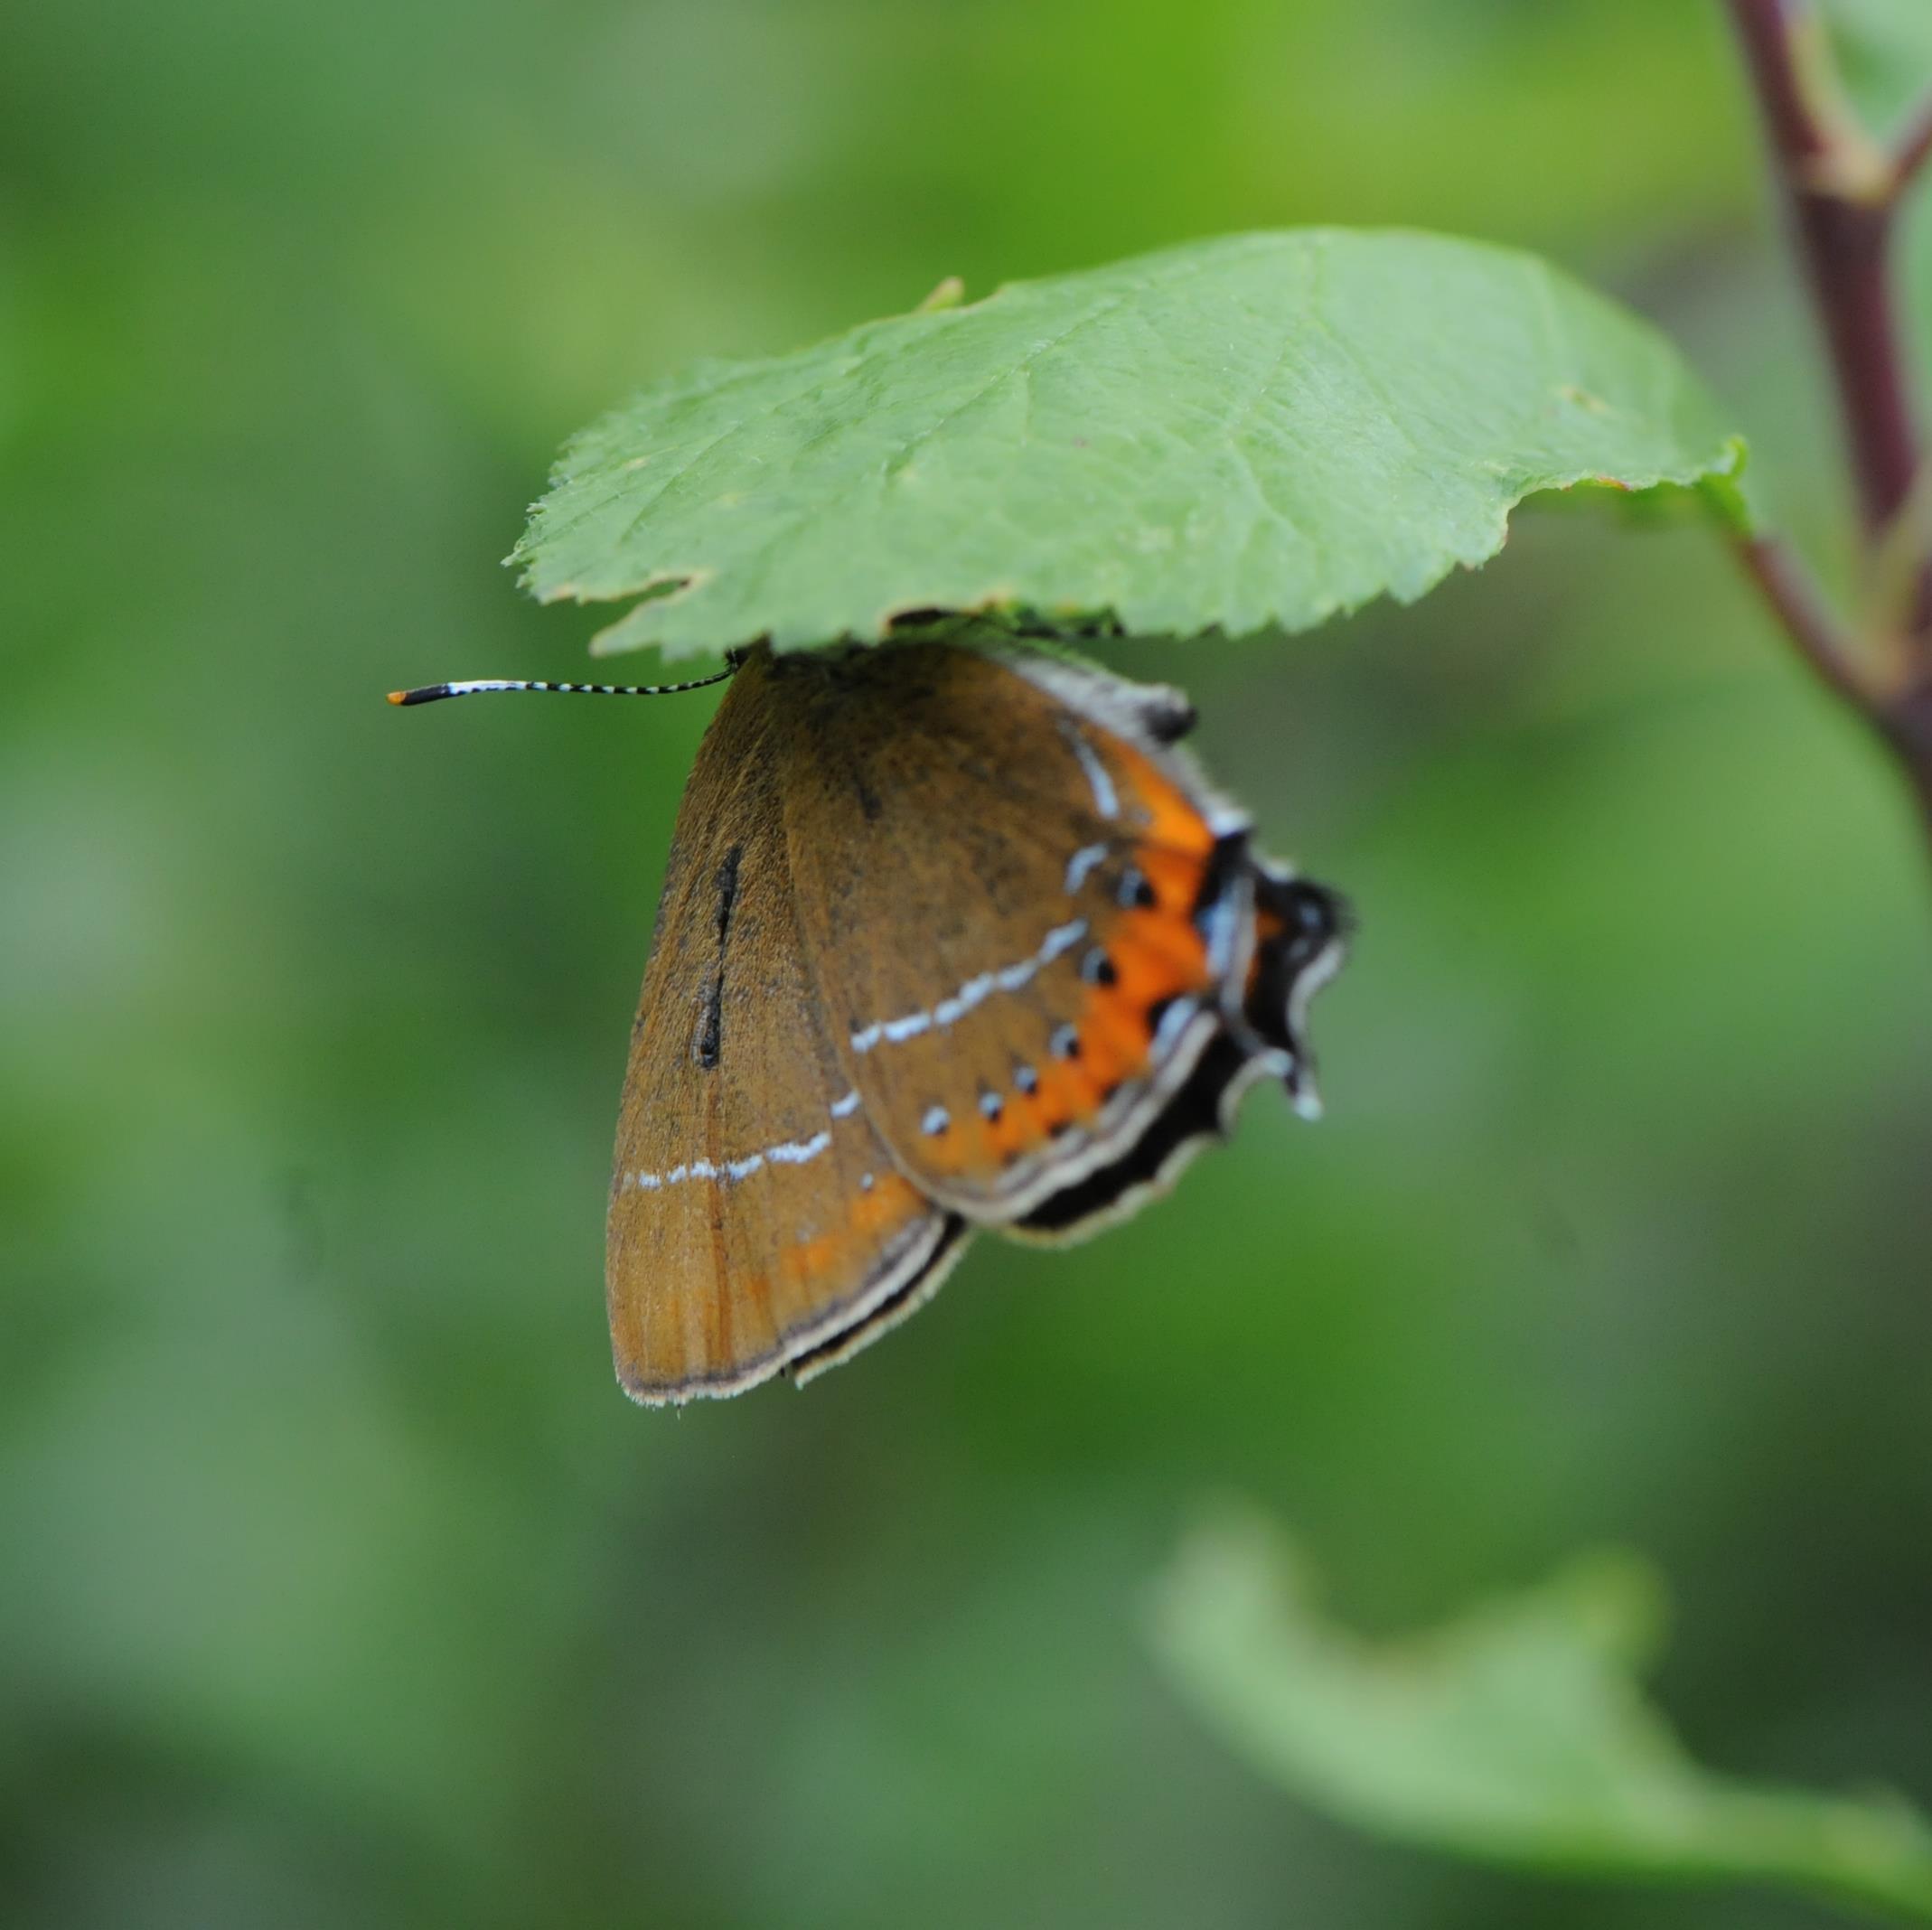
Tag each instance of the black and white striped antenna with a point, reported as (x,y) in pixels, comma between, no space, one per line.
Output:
(430,693)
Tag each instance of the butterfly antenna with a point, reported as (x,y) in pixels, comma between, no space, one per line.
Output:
(430,693)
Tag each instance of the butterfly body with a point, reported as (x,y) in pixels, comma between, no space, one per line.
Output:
(950,939)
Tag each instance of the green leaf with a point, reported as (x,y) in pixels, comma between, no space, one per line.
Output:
(1247,434)
(1518,1735)
(1884,52)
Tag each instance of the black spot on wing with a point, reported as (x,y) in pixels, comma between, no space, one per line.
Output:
(1167,716)
(711,1018)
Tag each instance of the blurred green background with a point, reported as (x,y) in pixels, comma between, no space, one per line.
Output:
(338,1584)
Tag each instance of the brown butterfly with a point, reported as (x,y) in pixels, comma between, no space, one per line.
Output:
(950,938)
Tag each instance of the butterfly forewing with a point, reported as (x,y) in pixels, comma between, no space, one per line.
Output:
(755,1216)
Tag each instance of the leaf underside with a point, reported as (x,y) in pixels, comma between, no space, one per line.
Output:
(1520,1735)
(1246,434)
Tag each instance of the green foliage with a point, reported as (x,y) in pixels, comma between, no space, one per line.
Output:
(341,1586)
(1249,432)
(1884,50)
(1518,1735)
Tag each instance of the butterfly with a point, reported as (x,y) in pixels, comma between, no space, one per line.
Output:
(953,938)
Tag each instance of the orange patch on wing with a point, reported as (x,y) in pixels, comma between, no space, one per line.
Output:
(1069,1093)
(1113,1024)
(1153,955)
(1016,1126)
(1173,820)
(1174,876)
(1107,1055)
(893,1197)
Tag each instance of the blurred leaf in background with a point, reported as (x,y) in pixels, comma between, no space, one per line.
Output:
(340,1580)
(1518,1734)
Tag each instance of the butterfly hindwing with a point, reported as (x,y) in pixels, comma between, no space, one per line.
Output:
(1021,909)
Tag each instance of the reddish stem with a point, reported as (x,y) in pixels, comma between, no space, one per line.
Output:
(1841,199)
(1786,585)
(1844,242)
